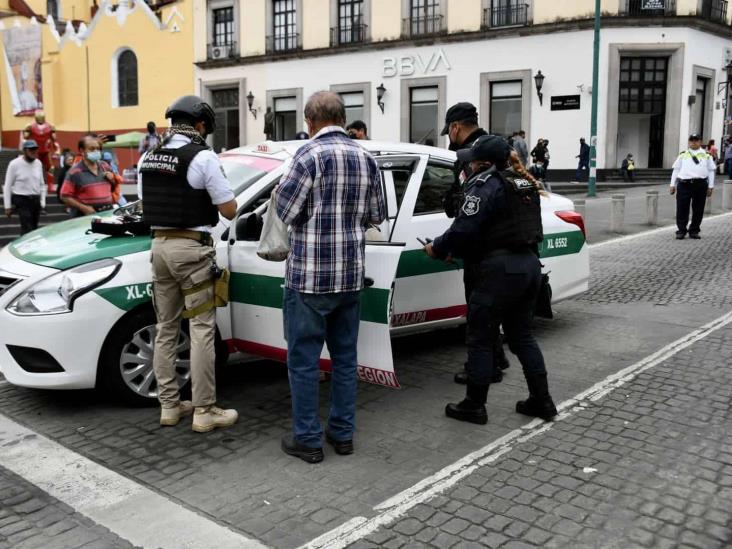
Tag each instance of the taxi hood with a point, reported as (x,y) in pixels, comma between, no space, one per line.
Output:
(71,243)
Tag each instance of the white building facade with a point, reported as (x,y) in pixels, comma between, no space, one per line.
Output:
(662,76)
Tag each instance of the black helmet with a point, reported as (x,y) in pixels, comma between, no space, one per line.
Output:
(195,108)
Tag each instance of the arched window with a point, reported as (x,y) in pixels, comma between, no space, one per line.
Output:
(127,79)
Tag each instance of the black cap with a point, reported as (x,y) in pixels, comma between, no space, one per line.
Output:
(459,112)
(491,148)
(695,137)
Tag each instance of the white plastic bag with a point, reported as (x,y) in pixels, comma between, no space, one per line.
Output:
(274,244)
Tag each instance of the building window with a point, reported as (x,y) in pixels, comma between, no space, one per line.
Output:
(127,79)
(351,28)
(285,110)
(223,26)
(643,85)
(225,103)
(284,25)
(354,106)
(52,9)
(423,118)
(506,13)
(506,105)
(424,17)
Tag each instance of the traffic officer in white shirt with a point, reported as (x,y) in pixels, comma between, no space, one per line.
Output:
(24,192)
(692,182)
(184,189)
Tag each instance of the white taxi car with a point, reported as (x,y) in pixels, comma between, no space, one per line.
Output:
(76,311)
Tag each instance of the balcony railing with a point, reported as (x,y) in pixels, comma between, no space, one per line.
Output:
(222,51)
(422,26)
(714,10)
(283,43)
(355,34)
(635,8)
(506,16)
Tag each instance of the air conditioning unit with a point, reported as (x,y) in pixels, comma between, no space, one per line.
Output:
(220,52)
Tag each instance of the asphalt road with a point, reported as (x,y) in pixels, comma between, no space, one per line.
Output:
(72,464)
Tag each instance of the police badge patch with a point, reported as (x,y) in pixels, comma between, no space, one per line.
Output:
(471,205)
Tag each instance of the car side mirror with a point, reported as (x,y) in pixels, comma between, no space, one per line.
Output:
(249,227)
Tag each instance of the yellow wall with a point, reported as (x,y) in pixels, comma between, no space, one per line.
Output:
(315,24)
(386,19)
(686,7)
(164,70)
(548,11)
(252,26)
(464,15)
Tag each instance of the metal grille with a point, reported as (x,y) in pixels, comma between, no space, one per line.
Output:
(506,13)
(714,10)
(643,85)
(223,26)
(424,17)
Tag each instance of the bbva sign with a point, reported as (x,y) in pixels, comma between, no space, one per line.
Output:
(409,65)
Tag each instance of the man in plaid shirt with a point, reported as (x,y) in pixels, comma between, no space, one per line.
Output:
(329,195)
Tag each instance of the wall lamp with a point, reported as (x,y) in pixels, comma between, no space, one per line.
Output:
(539,81)
(250,102)
(723,85)
(380,91)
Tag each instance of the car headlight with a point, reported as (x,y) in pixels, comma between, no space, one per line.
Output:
(57,293)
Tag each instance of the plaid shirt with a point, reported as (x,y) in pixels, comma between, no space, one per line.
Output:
(328,195)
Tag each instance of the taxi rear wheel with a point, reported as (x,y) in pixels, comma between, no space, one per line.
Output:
(126,361)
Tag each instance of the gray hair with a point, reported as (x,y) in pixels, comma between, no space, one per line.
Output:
(325,107)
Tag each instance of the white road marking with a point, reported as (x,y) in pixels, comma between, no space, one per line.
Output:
(131,511)
(667,228)
(397,506)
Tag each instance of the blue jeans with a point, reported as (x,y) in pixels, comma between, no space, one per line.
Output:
(309,321)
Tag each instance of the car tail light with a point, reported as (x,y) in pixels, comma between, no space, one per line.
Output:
(574,218)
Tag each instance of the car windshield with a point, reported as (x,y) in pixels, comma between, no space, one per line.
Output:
(243,170)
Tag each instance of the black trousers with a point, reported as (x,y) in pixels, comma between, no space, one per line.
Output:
(471,277)
(28,209)
(690,194)
(505,292)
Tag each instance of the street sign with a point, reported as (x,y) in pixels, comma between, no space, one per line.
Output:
(653,4)
(565,102)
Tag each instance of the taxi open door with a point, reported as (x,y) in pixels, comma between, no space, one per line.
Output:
(256,297)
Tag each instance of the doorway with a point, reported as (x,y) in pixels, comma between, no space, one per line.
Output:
(226,110)
(642,109)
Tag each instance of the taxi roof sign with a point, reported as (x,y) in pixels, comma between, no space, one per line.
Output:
(268,147)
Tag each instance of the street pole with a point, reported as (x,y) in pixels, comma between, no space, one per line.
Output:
(591,184)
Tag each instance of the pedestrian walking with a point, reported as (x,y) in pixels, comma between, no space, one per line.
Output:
(692,182)
(461,127)
(627,168)
(90,184)
(328,196)
(728,157)
(24,192)
(183,190)
(499,226)
(584,159)
(521,148)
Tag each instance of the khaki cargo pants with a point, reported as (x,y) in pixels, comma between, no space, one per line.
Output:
(180,264)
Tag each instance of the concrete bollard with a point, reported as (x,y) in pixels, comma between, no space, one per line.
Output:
(727,194)
(708,205)
(617,213)
(652,207)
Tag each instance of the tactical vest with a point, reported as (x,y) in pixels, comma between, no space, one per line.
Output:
(168,199)
(518,226)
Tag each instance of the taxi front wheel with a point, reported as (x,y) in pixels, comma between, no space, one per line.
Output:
(126,362)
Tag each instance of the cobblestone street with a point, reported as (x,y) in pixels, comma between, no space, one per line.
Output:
(648,463)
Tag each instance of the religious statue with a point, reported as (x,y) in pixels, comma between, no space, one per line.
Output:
(269,119)
(44,134)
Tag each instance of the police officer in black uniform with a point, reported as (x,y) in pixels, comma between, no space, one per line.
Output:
(461,128)
(498,228)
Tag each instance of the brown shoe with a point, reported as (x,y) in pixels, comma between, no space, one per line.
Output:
(171,416)
(208,418)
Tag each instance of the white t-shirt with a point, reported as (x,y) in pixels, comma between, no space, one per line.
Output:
(24,178)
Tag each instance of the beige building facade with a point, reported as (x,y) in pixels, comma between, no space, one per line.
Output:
(399,64)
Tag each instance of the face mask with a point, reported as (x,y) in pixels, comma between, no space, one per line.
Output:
(94,156)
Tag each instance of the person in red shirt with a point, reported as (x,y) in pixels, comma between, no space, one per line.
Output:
(90,185)
(44,134)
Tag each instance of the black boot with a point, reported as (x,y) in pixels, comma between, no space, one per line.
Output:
(472,407)
(461,377)
(540,403)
